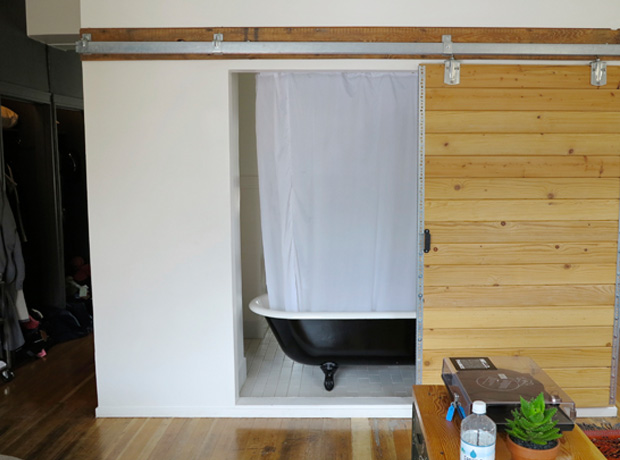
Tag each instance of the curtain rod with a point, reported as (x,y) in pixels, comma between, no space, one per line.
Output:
(86,46)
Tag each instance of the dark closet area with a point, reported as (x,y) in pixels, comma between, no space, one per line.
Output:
(45,179)
(43,159)
(30,180)
(72,173)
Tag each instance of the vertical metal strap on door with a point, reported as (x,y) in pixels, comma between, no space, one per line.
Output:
(616,339)
(420,273)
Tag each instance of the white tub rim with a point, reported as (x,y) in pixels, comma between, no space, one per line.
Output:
(260,306)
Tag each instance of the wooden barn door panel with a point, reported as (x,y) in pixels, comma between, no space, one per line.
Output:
(522,197)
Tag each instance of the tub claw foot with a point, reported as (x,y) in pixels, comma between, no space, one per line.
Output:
(329,369)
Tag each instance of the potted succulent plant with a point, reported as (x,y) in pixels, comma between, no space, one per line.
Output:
(532,433)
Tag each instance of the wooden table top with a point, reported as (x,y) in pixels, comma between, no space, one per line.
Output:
(442,438)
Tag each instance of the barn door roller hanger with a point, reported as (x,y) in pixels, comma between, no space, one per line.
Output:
(598,73)
(452,67)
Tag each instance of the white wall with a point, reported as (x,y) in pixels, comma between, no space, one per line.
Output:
(164,188)
(420,13)
(159,169)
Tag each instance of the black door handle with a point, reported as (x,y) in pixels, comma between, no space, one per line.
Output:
(427,240)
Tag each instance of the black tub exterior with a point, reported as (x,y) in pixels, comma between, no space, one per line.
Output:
(330,342)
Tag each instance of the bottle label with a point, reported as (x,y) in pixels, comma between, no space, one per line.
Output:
(470,452)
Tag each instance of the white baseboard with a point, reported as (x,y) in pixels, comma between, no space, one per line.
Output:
(595,412)
(386,407)
(277,408)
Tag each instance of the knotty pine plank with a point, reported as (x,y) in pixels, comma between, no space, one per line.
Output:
(522,76)
(524,122)
(507,231)
(517,296)
(530,144)
(547,358)
(523,167)
(580,377)
(590,397)
(524,210)
(503,317)
(591,99)
(532,337)
(521,188)
(520,253)
(532,274)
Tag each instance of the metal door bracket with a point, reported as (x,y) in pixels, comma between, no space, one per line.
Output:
(598,73)
(81,46)
(217,42)
(447,44)
(452,72)
(452,69)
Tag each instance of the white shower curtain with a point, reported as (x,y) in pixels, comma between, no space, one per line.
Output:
(337,162)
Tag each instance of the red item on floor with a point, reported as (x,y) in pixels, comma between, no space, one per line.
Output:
(30,324)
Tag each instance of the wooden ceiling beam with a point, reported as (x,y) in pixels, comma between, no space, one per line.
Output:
(361,34)
(351,34)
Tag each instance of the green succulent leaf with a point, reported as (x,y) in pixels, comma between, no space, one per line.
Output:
(533,422)
(539,402)
(549,413)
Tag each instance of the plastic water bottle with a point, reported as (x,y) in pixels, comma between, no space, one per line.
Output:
(478,433)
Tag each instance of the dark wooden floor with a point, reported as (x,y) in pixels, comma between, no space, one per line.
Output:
(47,413)
(50,404)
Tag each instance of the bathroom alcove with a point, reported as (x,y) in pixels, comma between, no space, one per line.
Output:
(272,378)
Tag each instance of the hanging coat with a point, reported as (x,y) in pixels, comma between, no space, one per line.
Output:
(12,305)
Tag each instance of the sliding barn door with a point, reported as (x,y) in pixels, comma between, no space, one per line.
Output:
(522,189)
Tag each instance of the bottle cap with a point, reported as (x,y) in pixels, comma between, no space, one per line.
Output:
(479,407)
